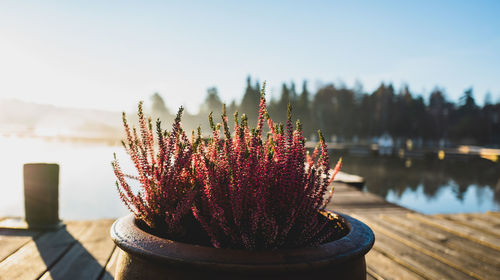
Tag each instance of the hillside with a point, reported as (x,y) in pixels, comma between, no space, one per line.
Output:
(31,119)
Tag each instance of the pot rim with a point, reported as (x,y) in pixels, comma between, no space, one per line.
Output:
(133,240)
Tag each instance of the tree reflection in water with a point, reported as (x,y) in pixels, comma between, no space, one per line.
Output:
(385,175)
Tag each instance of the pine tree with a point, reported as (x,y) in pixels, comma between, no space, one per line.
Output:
(158,107)
(212,103)
(250,102)
(303,110)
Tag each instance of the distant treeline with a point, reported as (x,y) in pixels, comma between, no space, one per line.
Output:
(351,115)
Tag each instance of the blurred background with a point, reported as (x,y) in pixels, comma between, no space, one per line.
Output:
(407,93)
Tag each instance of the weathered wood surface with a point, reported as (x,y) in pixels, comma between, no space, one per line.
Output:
(349,179)
(349,200)
(12,240)
(92,251)
(408,245)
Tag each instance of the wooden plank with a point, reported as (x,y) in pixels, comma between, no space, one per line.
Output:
(473,222)
(492,223)
(111,266)
(349,199)
(368,211)
(88,257)
(360,204)
(465,246)
(422,264)
(14,223)
(471,234)
(340,187)
(496,214)
(453,258)
(37,256)
(364,195)
(349,179)
(382,267)
(359,195)
(11,240)
(494,220)
(370,275)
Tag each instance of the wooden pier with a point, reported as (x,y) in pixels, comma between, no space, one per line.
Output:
(408,245)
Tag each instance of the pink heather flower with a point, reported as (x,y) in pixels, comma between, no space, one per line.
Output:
(263,193)
(255,188)
(166,191)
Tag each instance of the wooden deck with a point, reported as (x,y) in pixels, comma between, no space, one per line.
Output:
(408,245)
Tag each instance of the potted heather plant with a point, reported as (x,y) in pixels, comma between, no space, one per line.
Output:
(247,204)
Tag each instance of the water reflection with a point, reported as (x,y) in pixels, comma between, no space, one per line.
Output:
(431,186)
(87,189)
(86,183)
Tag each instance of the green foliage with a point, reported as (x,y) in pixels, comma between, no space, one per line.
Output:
(250,102)
(158,107)
(212,102)
(349,113)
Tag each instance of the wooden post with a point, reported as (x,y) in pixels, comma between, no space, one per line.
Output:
(41,195)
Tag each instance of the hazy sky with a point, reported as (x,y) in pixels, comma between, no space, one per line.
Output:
(110,54)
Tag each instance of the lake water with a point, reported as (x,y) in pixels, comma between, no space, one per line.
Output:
(86,180)
(87,183)
(431,186)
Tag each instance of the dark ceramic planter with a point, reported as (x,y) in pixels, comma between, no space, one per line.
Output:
(145,256)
